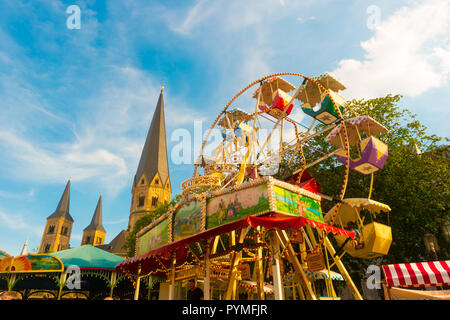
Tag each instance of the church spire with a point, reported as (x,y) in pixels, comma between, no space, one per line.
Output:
(62,211)
(154,154)
(151,186)
(24,248)
(96,222)
(58,227)
(94,233)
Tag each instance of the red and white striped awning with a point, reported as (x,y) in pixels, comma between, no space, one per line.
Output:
(421,274)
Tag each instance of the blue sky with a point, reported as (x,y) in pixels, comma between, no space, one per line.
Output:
(77,103)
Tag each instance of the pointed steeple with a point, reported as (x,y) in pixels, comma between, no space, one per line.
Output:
(24,248)
(96,222)
(63,207)
(154,154)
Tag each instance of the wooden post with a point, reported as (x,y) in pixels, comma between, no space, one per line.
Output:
(276,274)
(138,284)
(387,292)
(297,265)
(259,268)
(172,278)
(342,270)
(206,283)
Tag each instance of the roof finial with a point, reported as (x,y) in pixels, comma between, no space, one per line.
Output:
(162,86)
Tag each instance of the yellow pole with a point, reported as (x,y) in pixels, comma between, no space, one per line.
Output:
(342,270)
(62,281)
(172,279)
(234,263)
(206,283)
(259,268)
(138,284)
(297,265)
(113,282)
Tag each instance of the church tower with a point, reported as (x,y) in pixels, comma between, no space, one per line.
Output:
(151,185)
(94,233)
(58,228)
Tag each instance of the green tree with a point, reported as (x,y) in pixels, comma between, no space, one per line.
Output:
(415,186)
(145,220)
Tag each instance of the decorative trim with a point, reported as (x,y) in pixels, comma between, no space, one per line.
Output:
(296,189)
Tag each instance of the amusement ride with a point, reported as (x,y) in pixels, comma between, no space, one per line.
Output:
(250,220)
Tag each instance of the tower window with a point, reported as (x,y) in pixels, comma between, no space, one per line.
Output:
(156,181)
(154,201)
(47,248)
(88,239)
(141,201)
(142,181)
(64,230)
(51,229)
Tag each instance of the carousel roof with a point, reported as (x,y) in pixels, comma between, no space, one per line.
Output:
(355,127)
(231,116)
(310,91)
(269,86)
(88,257)
(352,206)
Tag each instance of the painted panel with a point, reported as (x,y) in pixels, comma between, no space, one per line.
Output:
(154,238)
(187,220)
(296,204)
(31,263)
(236,205)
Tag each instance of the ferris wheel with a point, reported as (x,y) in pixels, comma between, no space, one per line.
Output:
(265,130)
(267,136)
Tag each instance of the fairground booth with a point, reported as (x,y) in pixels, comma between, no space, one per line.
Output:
(417,281)
(84,272)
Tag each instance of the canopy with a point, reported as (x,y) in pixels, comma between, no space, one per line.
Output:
(160,258)
(271,85)
(350,208)
(233,115)
(88,257)
(310,92)
(421,274)
(355,127)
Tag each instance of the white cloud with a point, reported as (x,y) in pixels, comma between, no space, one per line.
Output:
(408,54)
(18,195)
(196,15)
(108,138)
(19,222)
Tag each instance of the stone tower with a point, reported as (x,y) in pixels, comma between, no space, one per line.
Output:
(151,185)
(58,228)
(94,233)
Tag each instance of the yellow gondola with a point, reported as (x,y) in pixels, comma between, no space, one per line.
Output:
(376,237)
